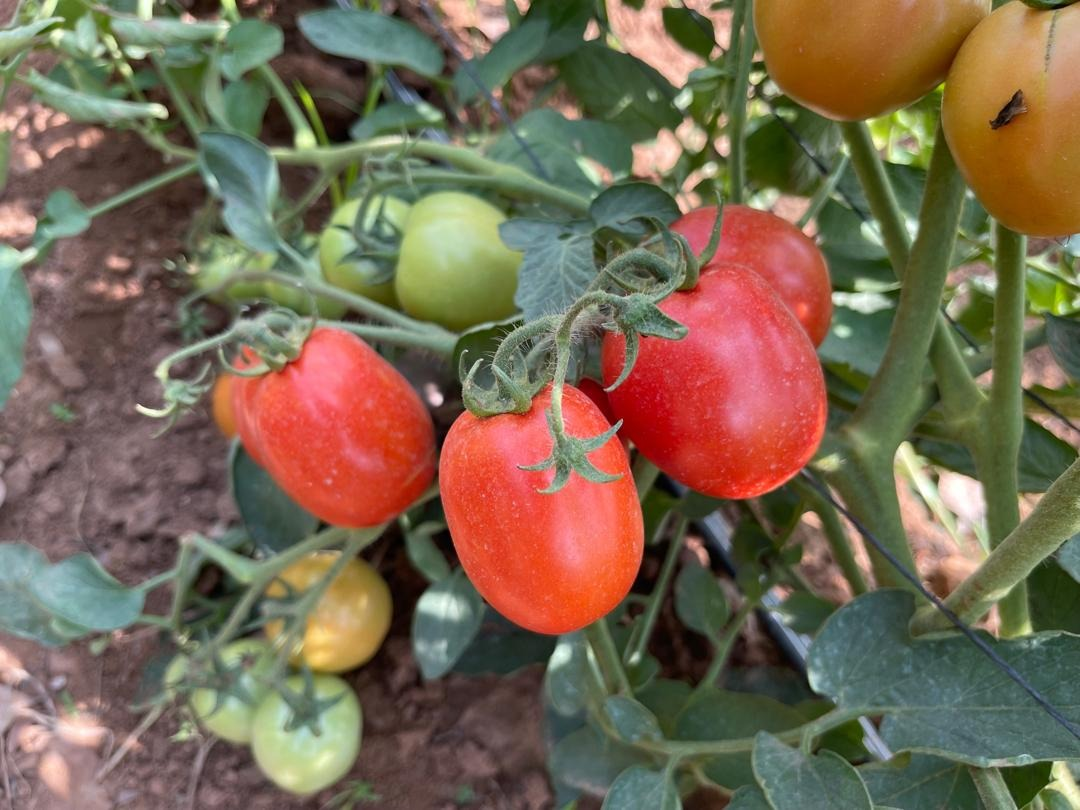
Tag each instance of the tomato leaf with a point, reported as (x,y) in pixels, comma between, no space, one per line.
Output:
(591,762)
(775,159)
(566,21)
(245,104)
(20,613)
(621,204)
(514,50)
(805,612)
(424,554)
(791,780)
(665,698)
(64,217)
(274,521)
(447,619)
(562,144)
(163,31)
(242,173)
(502,648)
(372,37)
(558,265)
(1054,598)
(86,107)
(640,788)
(14,40)
(1063,338)
(567,680)
(250,44)
(395,118)
(1068,557)
(749,797)
(15,312)
(923,687)
(78,590)
(691,29)
(700,602)
(631,720)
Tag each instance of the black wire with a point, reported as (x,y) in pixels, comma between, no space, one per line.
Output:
(971,635)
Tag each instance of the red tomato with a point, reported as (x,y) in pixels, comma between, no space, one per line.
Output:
(241,393)
(550,563)
(340,431)
(221,405)
(774,249)
(737,407)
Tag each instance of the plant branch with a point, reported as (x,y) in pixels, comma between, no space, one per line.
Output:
(635,649)
(742,28)
(837,538)
(607,657)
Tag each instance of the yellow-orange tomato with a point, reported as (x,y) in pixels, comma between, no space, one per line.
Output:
(221,405)
(348,623)
(855,59)
(1012,117)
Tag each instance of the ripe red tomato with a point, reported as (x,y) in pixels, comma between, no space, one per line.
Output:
(776,250)
(339,430)
(862,58)
(737,407)
(551,563)
(1025,166)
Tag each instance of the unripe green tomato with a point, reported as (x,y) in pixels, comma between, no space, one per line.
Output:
(297,299)
(232,716)
(174,674)
(218,265)
(337,241)
(453,268)
(297,759)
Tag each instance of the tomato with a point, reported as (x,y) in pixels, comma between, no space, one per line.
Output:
(452,268)
(339,430)
(550,563)
(737,407)
(241,405)
(862,58)
(350,620)
(223,258)
(385,216)
(229,711)
(776,250)
(221,405)
(297,759)
(1025,166)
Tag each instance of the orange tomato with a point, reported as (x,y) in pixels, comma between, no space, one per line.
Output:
(221,405)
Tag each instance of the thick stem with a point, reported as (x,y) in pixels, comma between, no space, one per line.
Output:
(742,28)
(992,789)
(607,657)
(636,648)
(1055,520)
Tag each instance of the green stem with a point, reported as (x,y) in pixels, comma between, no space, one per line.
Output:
(303,134)
(183,106)
(992,789)
(180,587)
(607,657)
(438,344)
(742,28)
(1055,520)
(145,187)
(825,191)
(837,538)
(1064,783)
(636,648)
(1001,426)
(724,645)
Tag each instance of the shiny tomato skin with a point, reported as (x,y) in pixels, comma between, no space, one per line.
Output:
(241,395)
(550,563)
(776,250)
(350,620)
(340,431)
(737,407)
(1026,173)
(855,59)
(221,405)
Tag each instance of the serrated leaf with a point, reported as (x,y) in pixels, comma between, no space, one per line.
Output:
(557,266)
(163,32)
(514,50)
(447,619)
(14,40)
(395,118)
(20,613)
(249,44)
(791,780)
(274,521)
(424,554)
(631,720)
(15,313)
(372,37)
(89,108)
(623,203)
(78,590)
(243,174)
(699,601)
(641,788)
(691,29)
(943,696)
(1063,338)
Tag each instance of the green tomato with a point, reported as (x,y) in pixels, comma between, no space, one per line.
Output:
(296,759)
(220,262)
(231,716)
(297,299)
(453,269)
(337,242)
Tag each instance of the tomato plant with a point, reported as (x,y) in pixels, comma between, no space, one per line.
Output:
(305,755)
(550,563)
(226,707)
(349,621)
(351,461)
(774,249)
(385,218)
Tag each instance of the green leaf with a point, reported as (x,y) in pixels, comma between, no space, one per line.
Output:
(20,613)
(1068,557)
(775,160)
(791,780)
(372,37)
(502,648)
(396,118)
(699,601)
(78,590)
(423,553)
(557,267)
(591,762)
(514,50)
(14,40)
(805,612)
(447,619)
(274,521)
(631,720)
(15,312)
(1027,782)
(242,173)
(623,203)
(921,782)
(620,89)
(1063,338)
(566,20)
(89,108)
(944,696)
(1054,598)
(858,334)
(749,798)
(163,31)
(640,788)
(245,104)
(566,682)
(691,29)
(249,44)
(665,698)
(64,216)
